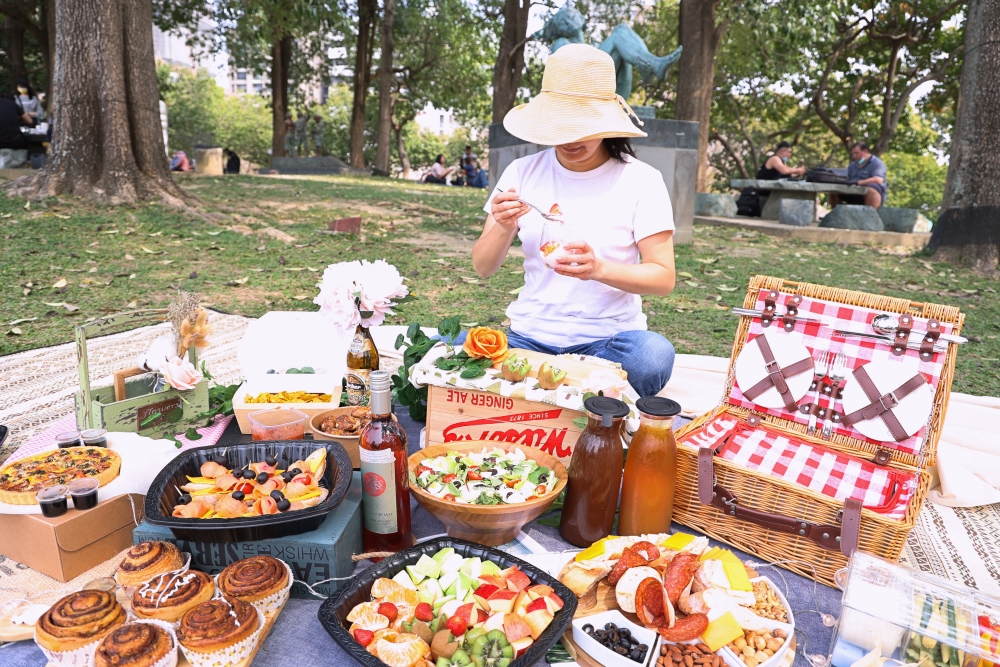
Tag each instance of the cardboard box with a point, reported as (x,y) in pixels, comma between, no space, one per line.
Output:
(242,409)
(69,545)
(314,556)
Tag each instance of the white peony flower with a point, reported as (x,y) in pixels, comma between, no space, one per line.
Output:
(180,373)
(350,288)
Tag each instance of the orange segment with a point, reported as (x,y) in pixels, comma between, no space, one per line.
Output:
(404,651)
(383,587)
(368,620)
(363,608)
(402,596)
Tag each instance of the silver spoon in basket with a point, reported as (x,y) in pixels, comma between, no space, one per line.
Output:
(887,325)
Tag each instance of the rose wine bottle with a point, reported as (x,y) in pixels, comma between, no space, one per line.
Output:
(385,482)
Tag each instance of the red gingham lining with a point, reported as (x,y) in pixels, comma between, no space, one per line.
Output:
(858,351)
(834,474)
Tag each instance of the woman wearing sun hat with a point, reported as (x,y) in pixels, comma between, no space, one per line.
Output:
(617,207)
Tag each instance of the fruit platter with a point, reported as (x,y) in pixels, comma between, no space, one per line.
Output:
(449,603)
(705,607)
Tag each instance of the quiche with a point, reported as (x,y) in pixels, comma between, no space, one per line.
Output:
(20,480)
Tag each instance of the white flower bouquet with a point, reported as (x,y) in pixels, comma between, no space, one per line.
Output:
(360,292)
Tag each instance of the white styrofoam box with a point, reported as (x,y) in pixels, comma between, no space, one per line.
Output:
(733,660)
(602,654)
(289,339)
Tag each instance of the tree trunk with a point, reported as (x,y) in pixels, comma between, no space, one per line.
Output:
(47,23)
(14,32)
(968,230)
(700,37)
(108,143)
(286,64)
(509,66)
(279,98)
(383,137)
(367,10)
(404,157)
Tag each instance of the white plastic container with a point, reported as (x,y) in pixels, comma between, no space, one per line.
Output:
(605,656)
(733,660)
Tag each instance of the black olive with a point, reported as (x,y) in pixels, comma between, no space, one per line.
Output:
(295,471)
(642,647)
(248,474)
(184,499)
(239,495)
(271,460)
(610,626)
(620,651)
(590,631)
(625,632)
(287,476)
(263,477)
(635,656)
(283,505)
(221,460)
(277,495)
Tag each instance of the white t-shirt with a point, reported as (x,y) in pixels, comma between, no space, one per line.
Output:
(612,208)
(437,169)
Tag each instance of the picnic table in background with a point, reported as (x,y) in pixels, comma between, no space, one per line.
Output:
(777,191)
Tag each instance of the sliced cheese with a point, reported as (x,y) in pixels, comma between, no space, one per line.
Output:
(711,553)
(200,480)
(208,515)
(677,541)
(305,496)
(737,573)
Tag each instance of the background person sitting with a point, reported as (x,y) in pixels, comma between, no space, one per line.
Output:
(438,174)
(179,162)
(13,145)
(232,165)
(866,170)
(776,167)
(30,103)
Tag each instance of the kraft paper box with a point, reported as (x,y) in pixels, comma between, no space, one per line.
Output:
(314,556)
(67,546)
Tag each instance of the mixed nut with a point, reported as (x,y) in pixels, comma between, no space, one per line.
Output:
(754,648)
(619,640)
(687,655)
(768,604)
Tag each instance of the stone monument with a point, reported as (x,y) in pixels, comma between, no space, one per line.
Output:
(671,145)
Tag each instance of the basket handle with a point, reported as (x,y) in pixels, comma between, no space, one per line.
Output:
(843,538)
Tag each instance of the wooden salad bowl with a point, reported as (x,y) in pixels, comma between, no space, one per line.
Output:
(489,525)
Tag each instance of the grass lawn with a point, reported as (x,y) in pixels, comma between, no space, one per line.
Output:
(259,244)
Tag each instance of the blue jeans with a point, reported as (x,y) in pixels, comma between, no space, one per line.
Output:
(647,357)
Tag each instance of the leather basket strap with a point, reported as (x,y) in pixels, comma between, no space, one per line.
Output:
(881,406)
(929,339)
(902,336)
(776,375)
(792,304)
(770,307)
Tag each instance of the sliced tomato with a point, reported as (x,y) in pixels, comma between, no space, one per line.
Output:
(540,489)
(245,487)
(450,497)
(473,476)
(448,478)
(422,469)
(531,498)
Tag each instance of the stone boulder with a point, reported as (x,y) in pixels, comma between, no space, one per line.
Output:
(714,205)
(904,220)
(796,212)
(847,216)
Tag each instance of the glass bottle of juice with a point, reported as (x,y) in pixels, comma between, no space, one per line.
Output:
(362,359)
(385,483)
(650,470)
(595,474)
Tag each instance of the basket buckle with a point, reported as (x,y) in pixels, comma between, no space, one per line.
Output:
(893,401)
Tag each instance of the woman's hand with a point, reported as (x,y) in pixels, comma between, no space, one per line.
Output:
(506,210)
(588,267)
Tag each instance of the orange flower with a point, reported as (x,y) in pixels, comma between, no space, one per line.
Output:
(483,342)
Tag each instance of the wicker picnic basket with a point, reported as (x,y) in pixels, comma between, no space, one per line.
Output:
(787,523)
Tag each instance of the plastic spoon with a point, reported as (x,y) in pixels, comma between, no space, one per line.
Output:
(888,325)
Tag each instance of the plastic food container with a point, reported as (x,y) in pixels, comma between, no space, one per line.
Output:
(910,617)
(334,610)
(52,500)
(277,424)
(94,437)
(603,654)
(84,493)
(68,439)
(162,495)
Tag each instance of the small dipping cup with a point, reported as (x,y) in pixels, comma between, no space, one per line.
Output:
(106,584)
(69,439)
(52,500)
(277,424)
(84,493)
(94,437)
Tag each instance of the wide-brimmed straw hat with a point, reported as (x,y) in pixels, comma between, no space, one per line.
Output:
(577,102)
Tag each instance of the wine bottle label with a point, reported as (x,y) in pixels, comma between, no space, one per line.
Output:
(358,386)
(378,480)
(358,345)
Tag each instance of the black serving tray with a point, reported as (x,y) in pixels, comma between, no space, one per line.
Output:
(162,495)
(334,610)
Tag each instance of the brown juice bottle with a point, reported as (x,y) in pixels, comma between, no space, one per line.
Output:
(385,499)
(595,474)
(362,359)
(650,470)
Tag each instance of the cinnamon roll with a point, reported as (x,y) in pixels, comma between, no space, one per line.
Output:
(78,619)
(134,645)
(254,579)
(146,560)
(167,596)
(217,624)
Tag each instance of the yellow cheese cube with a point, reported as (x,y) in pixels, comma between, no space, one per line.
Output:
(737,573)
(711,553)
(721,631)
(678,541)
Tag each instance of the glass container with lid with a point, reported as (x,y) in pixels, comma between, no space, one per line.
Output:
(650,470)
(52,500)
(595,474)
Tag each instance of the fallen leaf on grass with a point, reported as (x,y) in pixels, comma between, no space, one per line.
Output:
(61,217)
(214,233)
(505,323)
(706,261)
(129,258)
(60,284)
(692,283)
(90,252)
(723,288)
(684,274)
(167,261)
(193,275)
(300,297)
(70,308)
(110,231)
(312,270)
(517,290)
(258,270)
(469,324)
(237,283)
(155,234)
(718,307)
(132,304)
(14,331)
(27,207)
(295,268)
(970,291)
(471,281)
(262,248)
(23,319)
(26,291)
(440,261)
(151,252)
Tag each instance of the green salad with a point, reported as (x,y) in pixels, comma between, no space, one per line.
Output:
(494,477)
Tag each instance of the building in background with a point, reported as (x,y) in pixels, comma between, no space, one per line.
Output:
(440,122)
(173,49)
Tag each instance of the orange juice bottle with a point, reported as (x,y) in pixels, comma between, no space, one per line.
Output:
(647,504)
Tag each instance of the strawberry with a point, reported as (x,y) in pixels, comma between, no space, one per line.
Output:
(364,637)
(388,610)
(536,604)
(424,612)
(457,625)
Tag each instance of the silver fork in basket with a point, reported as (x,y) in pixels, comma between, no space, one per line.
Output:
(822,365)
(838,373)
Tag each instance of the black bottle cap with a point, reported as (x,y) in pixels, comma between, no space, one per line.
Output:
(606,408)
(658,406)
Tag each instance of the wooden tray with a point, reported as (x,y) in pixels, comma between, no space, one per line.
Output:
(14,633)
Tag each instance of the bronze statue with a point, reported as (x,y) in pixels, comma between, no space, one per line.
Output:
(624,46)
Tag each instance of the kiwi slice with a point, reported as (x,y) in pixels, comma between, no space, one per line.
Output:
(492,650)
(471,636)
(458,659)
